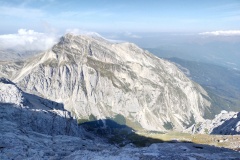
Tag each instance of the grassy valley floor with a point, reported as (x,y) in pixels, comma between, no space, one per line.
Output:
(226,141)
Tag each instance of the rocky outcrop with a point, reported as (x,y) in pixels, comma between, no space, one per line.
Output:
(92,76)
(225,123)
(30,112)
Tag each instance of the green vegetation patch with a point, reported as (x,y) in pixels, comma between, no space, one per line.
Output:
(120,119)
(168,125)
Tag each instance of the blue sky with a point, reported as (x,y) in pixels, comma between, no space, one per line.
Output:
(120,16)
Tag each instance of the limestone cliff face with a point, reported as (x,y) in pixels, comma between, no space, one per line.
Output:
(92,76)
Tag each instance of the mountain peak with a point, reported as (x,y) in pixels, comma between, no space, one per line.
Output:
(93,76)
(89,36)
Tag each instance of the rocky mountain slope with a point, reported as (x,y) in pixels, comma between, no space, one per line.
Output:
(94,77)
(225,123)
(30,112)
(36,128)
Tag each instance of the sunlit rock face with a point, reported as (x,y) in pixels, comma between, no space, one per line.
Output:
(92,76)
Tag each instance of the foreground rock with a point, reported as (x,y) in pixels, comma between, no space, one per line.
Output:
(36,128)
(16,144)
(30,112)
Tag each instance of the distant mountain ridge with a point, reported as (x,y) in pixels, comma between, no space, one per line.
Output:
(16,55)
(222,84)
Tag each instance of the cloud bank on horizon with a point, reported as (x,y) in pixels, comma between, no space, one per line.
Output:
(30,40)
(222,33)
(27,40)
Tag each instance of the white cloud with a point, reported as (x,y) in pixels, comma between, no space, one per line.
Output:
(131,35)
(77,31)
(222,33)
(27,40)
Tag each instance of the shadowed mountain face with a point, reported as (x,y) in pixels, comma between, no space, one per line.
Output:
(225,123)
(230,126)
(92,76)
(117,134)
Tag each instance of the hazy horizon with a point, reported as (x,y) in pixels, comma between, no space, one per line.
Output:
(194,30)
